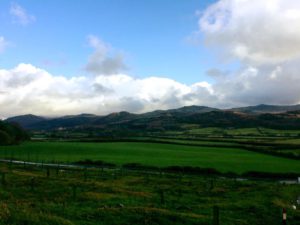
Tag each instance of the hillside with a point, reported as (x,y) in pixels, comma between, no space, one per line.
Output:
(173,119)
(267,108)
(11,133)
(26,120)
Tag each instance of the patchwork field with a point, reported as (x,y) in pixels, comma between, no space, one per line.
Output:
(153,154)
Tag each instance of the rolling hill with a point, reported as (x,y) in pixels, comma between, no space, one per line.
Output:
(277,117)
(262,108)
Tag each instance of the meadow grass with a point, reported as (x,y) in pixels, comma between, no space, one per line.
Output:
(153,154)
(29,196)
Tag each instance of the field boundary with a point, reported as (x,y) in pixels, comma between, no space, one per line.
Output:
(171,170)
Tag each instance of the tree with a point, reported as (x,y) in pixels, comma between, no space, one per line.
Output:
(5,139)
(11,133)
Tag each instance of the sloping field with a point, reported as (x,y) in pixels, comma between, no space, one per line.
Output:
(30,196)
(154,154)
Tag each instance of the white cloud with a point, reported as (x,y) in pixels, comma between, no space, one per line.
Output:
(28,89)
(256,85)
(254,31)
(264,37)
(3,44)
(20,15)
(103,60)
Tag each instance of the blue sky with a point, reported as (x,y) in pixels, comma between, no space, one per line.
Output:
(152,35)
(102,56)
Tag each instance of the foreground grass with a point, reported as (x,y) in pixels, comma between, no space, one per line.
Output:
(88,197)
(154,154)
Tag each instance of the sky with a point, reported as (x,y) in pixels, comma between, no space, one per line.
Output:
(103,56)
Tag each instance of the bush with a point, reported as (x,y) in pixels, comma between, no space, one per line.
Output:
(97,163)
(137,166)
(192,170)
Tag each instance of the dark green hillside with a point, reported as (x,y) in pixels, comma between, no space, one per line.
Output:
(220,119)
(26,120)
(167,120)
(11,133)
(267,108)
(75,121)
(114,118)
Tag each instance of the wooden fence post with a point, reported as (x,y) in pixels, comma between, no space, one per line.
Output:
(48,172)
(32,183)
(216,215)
(162,196)
(146,178)
(284,216)
(211,184)
(57,169)
(3,180)
(85,174)
(74,189)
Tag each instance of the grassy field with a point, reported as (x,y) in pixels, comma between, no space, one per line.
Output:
(68,197)
(256,131)
(154,154)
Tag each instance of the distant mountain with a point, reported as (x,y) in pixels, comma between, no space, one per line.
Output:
(279,117)
(72,121)
(26,120)
(193,109)
(186,110)
(267,109)
(117,117)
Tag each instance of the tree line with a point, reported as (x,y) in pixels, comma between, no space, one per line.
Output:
(12,133)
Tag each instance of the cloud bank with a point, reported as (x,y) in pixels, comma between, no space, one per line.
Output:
(28,89)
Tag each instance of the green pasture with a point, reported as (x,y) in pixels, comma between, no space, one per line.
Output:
(289,141)
(39,196)
(255,131)
(154,154)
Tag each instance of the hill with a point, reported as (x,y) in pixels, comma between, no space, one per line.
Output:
(276,117)
(267,108)
(26,120)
